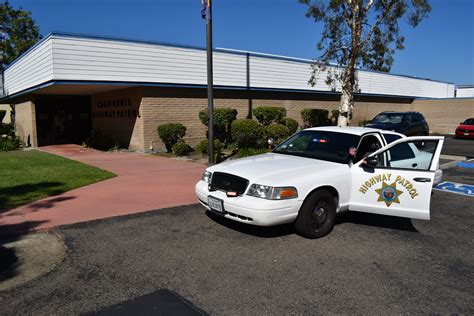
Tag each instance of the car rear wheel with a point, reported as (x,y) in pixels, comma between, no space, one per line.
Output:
(317,215)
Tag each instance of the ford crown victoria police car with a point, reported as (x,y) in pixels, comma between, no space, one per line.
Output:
(320,171)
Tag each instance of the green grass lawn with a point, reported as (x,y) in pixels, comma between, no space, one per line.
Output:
(26,176)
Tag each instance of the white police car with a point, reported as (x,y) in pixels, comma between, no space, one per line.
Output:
(320,171)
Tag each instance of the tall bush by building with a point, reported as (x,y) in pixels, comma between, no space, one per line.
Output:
(277,132)
(171,133)
(7,129)
(9,142)
(182,149)
(269,114)
(202,148)
(223,118)
(2,115)
(247,133)
(291,124)
(334,116)
(98,140)
(315,117)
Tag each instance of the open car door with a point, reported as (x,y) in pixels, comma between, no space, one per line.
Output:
(397,179)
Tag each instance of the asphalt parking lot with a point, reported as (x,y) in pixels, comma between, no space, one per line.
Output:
(368,264)
(458,147)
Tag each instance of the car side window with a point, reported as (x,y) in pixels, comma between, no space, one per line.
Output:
(401,152)
(408,155)
(367,145)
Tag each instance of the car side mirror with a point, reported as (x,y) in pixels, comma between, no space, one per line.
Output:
(370,162)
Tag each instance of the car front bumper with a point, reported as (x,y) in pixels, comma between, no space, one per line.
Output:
(469,135)
(251,210)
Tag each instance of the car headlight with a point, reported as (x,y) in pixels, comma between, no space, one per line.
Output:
(272,193)
(206,177)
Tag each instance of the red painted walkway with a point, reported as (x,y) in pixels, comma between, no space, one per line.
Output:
(143,183)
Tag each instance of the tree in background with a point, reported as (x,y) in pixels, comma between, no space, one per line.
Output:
(359,33)
(18,33)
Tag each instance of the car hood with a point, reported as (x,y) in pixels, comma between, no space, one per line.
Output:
(273,168)
(468,127)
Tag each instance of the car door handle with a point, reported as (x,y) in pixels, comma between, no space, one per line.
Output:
(422,179)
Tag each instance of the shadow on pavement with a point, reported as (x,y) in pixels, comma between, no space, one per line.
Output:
(7,193)
(382,221)
(375,220)
(161,302)
(257,231)
(49,203)
(8,256)
(8,259)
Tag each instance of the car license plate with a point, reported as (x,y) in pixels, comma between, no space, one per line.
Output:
(466,133)
(215,204)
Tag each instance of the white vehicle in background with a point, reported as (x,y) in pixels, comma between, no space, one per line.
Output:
(324,170)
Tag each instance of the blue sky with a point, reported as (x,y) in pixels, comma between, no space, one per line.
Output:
(441,48)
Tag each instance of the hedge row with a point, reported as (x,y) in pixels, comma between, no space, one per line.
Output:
(243,134)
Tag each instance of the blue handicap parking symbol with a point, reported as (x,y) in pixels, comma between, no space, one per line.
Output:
(463,164)
(457,188)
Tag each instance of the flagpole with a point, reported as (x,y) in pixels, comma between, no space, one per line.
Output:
(210,83)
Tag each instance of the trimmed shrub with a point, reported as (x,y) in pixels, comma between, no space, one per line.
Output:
(171,133)
(98,140)
(9,143)
(2,115)
(291,124)
(247,133)
(334,116)
(245,152)
(315,117)
(278,132)
(7,129)
(203,146)
(223,119)
(182,149)
(269,114)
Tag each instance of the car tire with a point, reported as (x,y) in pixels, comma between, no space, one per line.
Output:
(317,215)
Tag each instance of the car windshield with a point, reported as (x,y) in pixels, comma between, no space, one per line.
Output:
(469,122)
(329,146)
(388,118)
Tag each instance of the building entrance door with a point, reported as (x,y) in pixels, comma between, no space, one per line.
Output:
(62,120)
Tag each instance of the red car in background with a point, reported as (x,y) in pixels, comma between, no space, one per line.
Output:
(466,129)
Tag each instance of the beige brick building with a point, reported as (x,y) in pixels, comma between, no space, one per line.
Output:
(149,107)
(127,88)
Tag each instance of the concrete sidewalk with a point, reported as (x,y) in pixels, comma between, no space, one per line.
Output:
(143,183)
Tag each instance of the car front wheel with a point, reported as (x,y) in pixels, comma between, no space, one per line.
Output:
(317,215)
